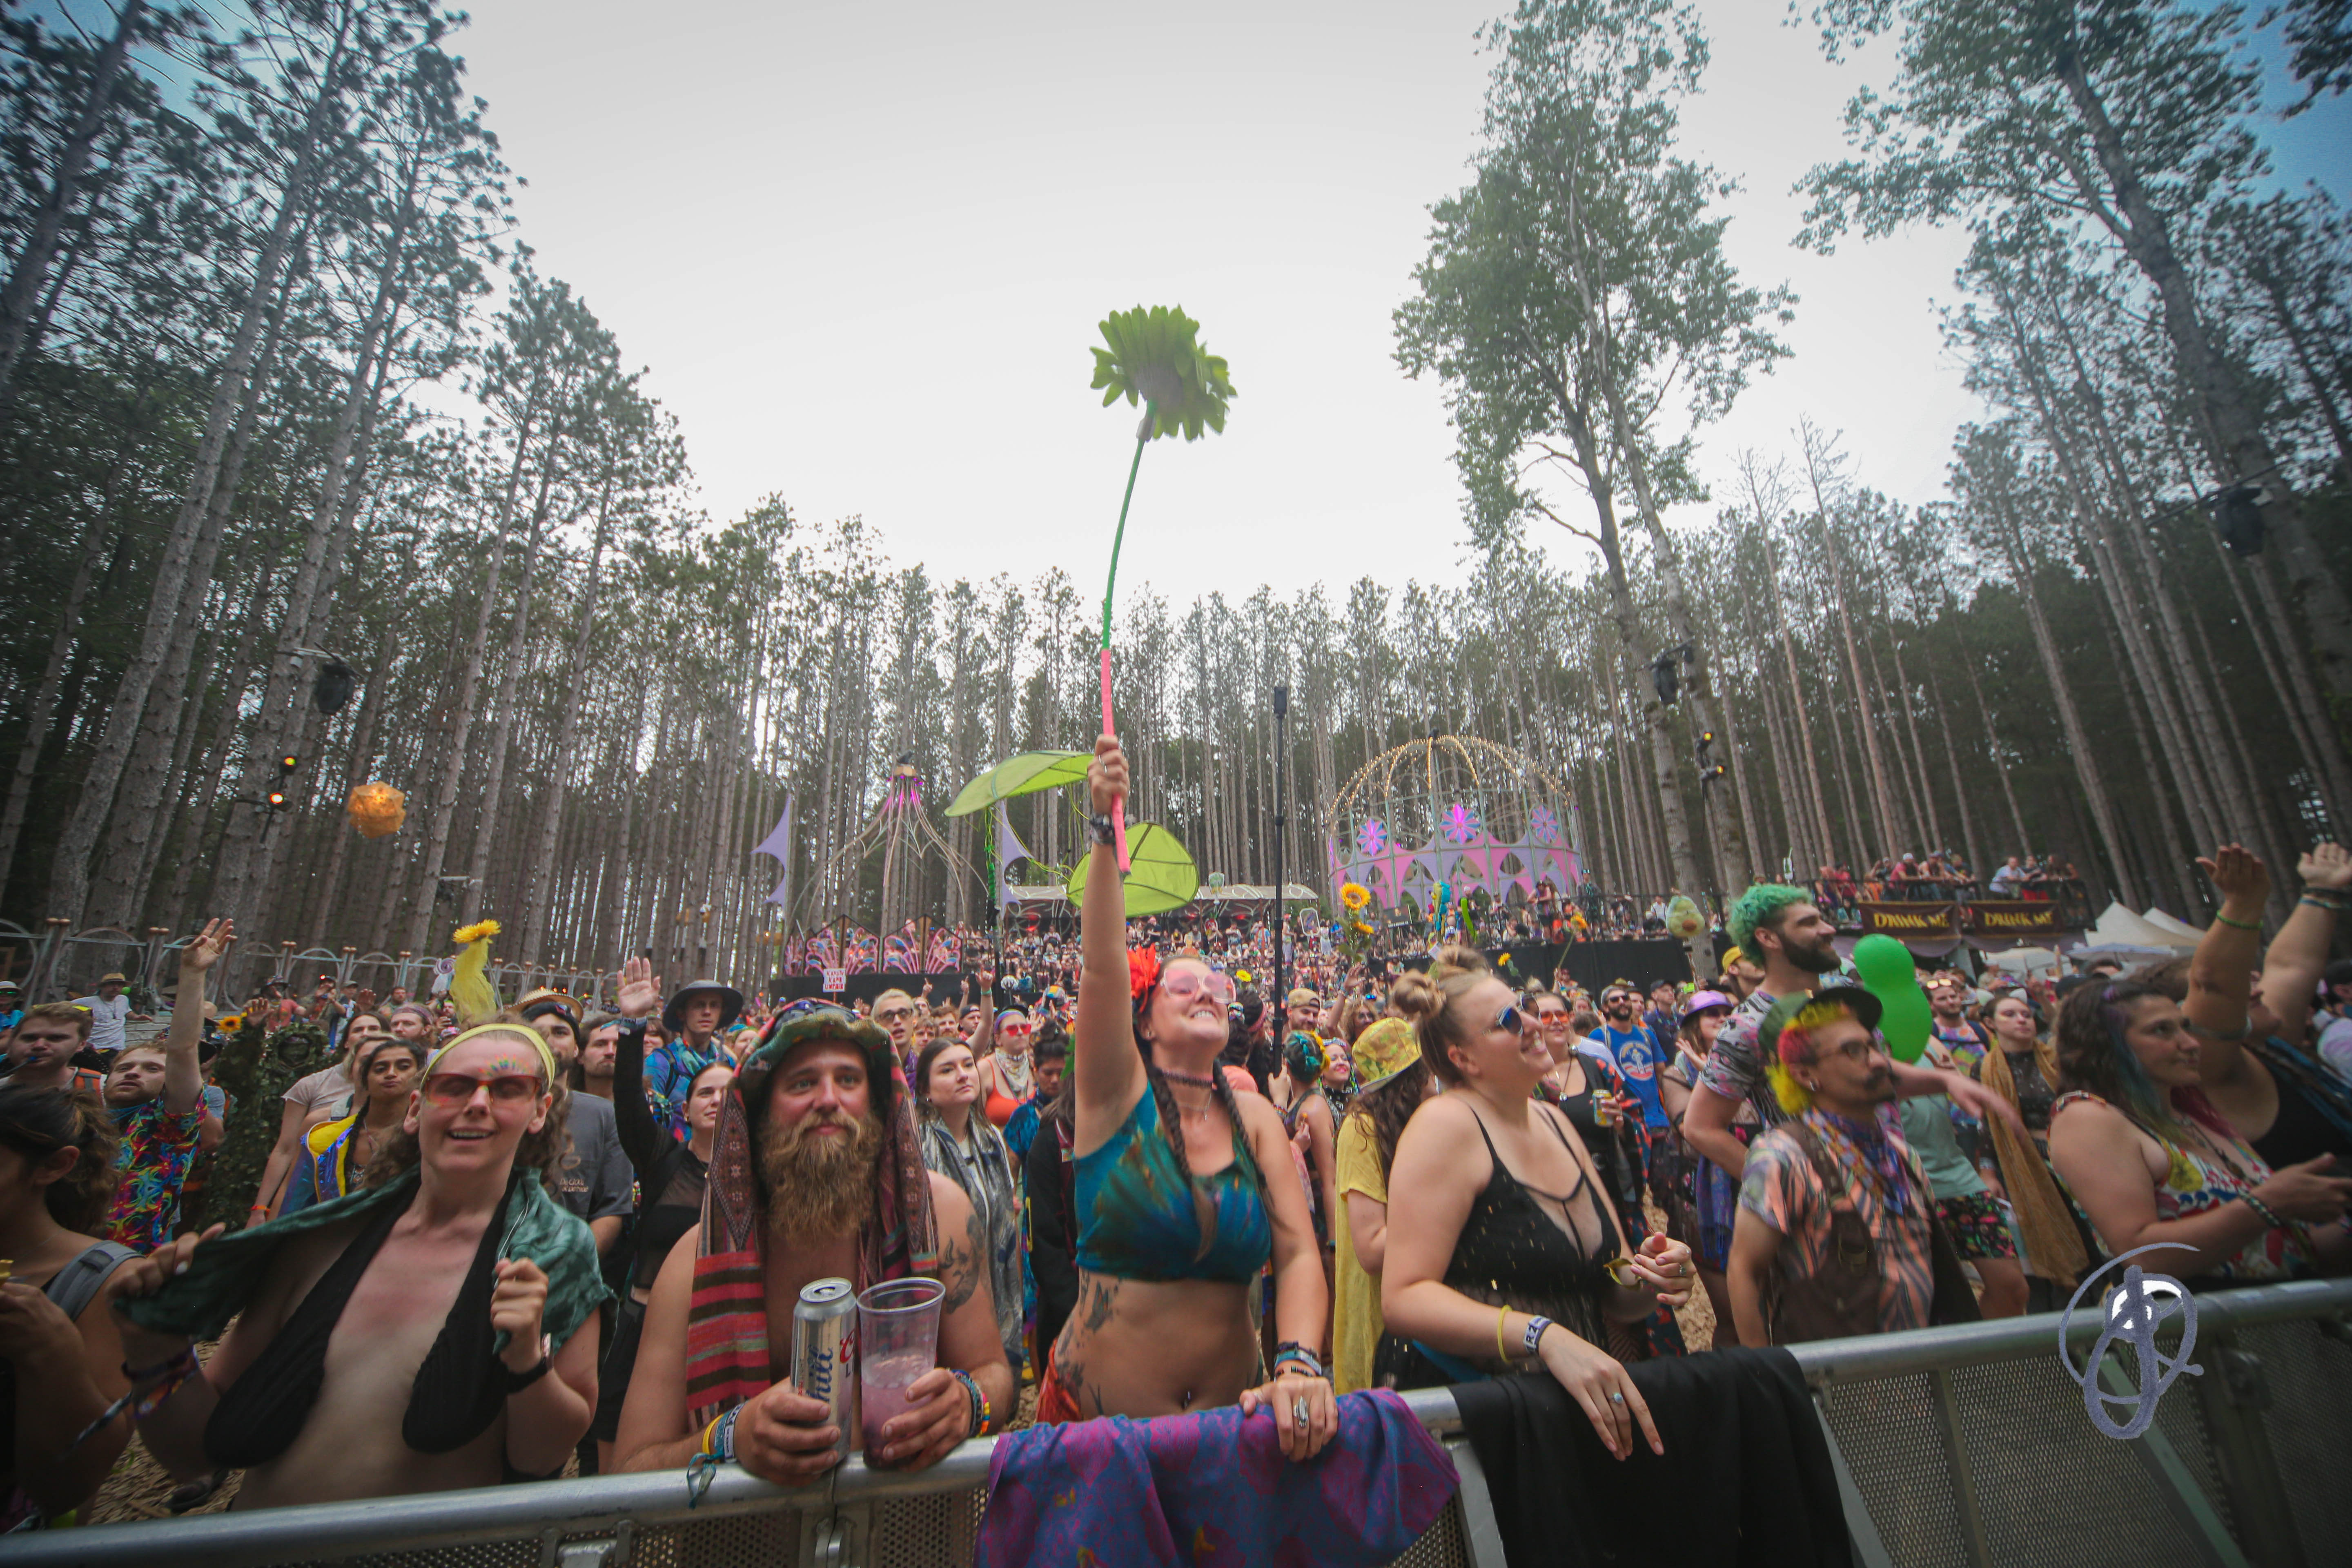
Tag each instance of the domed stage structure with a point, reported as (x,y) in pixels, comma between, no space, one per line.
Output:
(1456,810)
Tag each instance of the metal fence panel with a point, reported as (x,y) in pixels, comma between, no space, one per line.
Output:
(1966,1447)
(2308,1374)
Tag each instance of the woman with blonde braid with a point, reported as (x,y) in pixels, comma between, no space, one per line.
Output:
(1175,1214)
(2023,1068)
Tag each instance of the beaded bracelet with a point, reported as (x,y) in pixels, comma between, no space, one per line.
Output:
(981,1415)
(1302,1358)
(2263,1212)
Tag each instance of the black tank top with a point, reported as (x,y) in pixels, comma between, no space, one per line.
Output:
(1511,1250)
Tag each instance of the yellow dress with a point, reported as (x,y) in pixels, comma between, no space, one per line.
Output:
(1356,1324)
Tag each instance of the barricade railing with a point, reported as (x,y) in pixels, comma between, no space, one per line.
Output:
(1968,1446)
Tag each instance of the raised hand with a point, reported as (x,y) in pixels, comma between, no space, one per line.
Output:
(2328,866)
(206,947)
(640,991)
(2238,875)
(1107,775)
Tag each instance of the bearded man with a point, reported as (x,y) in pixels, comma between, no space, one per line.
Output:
(817,1174)
(1782,926)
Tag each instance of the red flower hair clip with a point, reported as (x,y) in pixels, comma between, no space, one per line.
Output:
(1142,972)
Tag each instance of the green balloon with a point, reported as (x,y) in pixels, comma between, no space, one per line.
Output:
(1888,974)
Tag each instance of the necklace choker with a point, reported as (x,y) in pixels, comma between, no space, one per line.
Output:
(1193,1078)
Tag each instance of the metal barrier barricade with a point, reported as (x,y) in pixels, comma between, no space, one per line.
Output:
(1959,1448)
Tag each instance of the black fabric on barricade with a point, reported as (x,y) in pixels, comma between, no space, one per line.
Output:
(866,984)
(1746,1482)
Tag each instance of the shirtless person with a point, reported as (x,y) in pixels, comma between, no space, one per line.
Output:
(817,1112)
(432,1330)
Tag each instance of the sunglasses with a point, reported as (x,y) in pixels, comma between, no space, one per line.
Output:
(1511,1021)
(1183,987)
(892,1014)
(1016,1028)
(449,1090)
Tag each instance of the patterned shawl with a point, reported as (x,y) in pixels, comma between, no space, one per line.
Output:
(727,1353)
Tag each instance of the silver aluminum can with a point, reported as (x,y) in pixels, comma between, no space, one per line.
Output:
(825,1353)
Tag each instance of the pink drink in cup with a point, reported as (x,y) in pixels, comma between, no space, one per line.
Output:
(897,1342)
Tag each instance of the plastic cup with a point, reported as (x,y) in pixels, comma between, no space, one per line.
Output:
(897,1342)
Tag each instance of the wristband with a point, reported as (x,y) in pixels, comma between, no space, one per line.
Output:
(2333,904)
(981,1413)
(1099,827)
(1536,1326)
(2238,925)
(1301,1356)
(2263,1212)
(718,1437)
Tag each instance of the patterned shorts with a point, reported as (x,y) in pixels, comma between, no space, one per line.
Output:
(1976,1226)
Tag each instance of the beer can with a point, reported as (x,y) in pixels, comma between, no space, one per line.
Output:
(1604,1114)
(825,1353)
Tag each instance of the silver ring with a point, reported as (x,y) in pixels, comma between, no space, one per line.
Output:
(1298,1411)
(1616,1399)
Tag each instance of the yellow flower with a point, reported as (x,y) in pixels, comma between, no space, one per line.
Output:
(480,930)
(1354,895)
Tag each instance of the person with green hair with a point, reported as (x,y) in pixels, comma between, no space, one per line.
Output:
(1781,927)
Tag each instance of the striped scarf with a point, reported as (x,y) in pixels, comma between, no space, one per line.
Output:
(728,1359)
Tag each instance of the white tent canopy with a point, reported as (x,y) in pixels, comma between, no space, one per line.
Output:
(2181,930)
(2118,927)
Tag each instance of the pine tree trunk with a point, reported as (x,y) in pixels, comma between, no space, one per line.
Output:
(2205,372)
(1815,795)
(32,268)
(2062,691)
(70,879)
(1865,721)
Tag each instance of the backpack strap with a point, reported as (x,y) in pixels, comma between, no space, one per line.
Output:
(77,1285)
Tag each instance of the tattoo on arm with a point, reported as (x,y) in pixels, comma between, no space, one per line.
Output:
(960,1266)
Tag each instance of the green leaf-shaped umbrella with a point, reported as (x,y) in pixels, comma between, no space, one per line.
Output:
(1160,874)
(1025,775)
(1155,357)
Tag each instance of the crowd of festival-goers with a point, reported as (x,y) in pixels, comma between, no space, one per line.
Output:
(501,1241)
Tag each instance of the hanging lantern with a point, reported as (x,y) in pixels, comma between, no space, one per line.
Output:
(1683,919)
(376,809)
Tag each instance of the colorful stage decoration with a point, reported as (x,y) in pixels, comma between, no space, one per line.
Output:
(376,809)
(1160,874)
(1155,358)
(1425,824)
(919,865)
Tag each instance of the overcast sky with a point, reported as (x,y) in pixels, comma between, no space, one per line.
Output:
(862,249)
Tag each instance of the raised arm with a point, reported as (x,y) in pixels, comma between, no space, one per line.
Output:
(2292,967)
(1109,1071)
(643,1139)
(2221,972)
(184,1078)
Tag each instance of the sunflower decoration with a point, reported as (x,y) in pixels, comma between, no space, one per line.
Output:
(1354,895)
(1153,357)
(470,987)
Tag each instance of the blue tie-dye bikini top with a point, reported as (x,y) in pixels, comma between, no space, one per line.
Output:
(1136,1220)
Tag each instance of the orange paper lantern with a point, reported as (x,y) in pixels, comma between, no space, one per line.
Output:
(376,809)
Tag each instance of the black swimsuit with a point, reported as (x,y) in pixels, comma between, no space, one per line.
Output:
(456,1395)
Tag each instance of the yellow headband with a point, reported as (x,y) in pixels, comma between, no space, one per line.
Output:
(546,1057)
